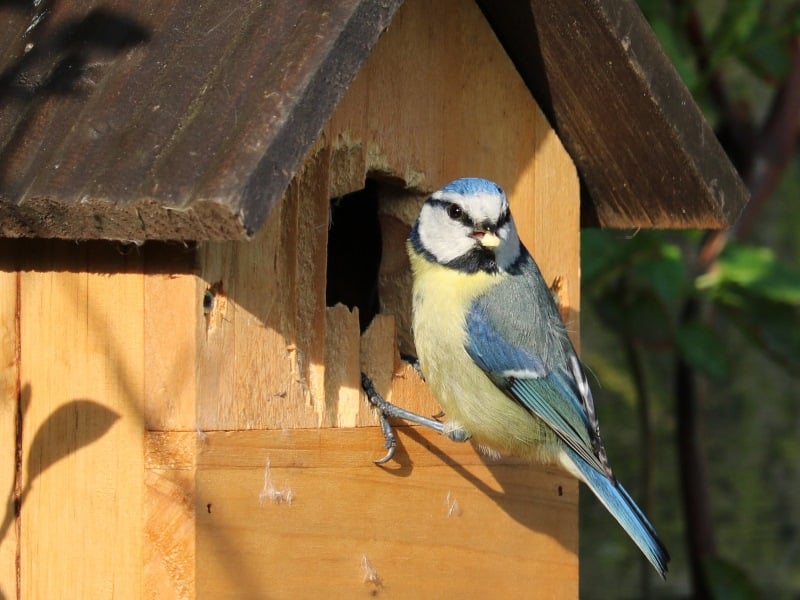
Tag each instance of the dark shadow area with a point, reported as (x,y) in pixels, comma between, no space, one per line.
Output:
(55,63)
(76,424)
(354,253)
(97,256)
(51,61)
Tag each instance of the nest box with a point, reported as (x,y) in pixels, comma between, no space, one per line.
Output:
(203,210)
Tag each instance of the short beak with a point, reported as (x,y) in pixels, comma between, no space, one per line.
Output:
(486,238)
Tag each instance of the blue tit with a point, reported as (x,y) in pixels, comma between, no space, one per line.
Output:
(495,352)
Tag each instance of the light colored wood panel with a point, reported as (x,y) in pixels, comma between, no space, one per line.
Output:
(9,398)
(434,102)
(247,365)
(82,348)
(169,527)
(173,315)
(169,533)
(378,354)
(422,523)
(342,367)
(555,214)
(310,273)
(261,356)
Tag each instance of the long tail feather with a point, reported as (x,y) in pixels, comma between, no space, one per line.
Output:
(622,507)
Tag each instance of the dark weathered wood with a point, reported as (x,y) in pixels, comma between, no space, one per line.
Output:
(182,119)
(186,119)
(645,153)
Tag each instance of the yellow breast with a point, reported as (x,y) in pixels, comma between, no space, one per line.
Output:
(468,397)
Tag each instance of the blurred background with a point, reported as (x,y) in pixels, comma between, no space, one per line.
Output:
(694,337)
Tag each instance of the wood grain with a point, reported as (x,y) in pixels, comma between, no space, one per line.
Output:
(646,154)
(9,407)
(169,516)
(249,536)
(228,103)
(161,386)
(443,523)
(82,349)
(173,317)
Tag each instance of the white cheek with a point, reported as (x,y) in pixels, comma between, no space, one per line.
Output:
(444,238)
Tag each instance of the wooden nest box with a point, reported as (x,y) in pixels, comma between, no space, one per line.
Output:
(189,193)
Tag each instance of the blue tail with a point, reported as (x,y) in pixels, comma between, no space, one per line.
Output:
(619,503)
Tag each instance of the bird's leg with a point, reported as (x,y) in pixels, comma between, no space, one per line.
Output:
(386,410)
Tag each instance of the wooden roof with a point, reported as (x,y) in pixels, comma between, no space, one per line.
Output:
(186,119)
(645,153)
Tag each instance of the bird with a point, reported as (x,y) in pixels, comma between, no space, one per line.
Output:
(495,352)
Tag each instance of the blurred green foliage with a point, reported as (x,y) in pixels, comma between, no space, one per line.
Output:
(742,342)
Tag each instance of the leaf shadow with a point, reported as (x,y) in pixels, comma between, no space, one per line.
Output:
(72,426)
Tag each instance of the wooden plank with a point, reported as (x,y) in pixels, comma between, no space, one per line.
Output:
(418,529)
(228,104)
(646,154)
(407,106)
(82,349)
(9,407)
(342,372)
(98,162)
(169,518)
(557,254)
(261,356)
(391,102)
(173,319)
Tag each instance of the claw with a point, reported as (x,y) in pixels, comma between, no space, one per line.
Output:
(390,441)
(386,410)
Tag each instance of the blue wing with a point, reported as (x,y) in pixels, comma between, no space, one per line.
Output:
(548,392)
(552,387)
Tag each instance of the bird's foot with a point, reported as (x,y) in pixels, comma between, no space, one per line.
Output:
(386,410)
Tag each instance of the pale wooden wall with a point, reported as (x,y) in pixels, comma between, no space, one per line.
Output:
(160,487)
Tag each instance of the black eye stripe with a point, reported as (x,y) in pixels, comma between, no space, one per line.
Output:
(504,218)
(465,219)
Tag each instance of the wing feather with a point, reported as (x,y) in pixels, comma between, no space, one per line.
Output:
(545,387)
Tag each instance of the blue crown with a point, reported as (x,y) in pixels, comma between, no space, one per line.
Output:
(473,186)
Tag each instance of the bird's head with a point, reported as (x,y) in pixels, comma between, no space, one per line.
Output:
(466,225)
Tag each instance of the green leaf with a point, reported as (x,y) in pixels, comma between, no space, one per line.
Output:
(736,27)
(604,255)
(664,273)
(702,349)
(756,269)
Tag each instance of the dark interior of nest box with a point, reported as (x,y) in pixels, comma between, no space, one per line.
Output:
(354,252)
(367,266)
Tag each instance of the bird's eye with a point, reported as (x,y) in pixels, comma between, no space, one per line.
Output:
(454,211)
